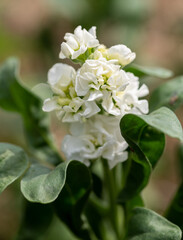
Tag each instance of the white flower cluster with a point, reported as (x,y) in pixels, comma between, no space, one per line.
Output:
(94,97)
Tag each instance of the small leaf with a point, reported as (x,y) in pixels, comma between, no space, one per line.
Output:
(13,163)
(42,184)
(169,94)
(145,224)
(15,97)
(142,71)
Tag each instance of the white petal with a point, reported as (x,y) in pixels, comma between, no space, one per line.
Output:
(143,91)
(92,31)
(50,104)
(66,51)
(119,158)
(90,109)
(62,74)
(122,53)
(71,41)
(94,95)
(143,106)
(72,146)
(79,52)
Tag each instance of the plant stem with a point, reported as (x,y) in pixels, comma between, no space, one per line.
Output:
(111,190)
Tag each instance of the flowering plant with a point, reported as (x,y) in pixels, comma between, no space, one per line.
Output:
(112,147)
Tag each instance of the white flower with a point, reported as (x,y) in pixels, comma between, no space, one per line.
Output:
(121,53)
(98,137)
(68,106)
(78,43)
(99,75)
(111,87)
(60,77)
(128,100)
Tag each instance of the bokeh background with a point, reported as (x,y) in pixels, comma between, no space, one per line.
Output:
(33,30)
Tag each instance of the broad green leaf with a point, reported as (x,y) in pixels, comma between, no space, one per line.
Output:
(144,134)
(71,201)
(169,94)
(35,222)
(175,210)
(137,177)
(142,140)
(15,97)
(165,121)
(13,163)
(142,71)
(145,224)
(42,184)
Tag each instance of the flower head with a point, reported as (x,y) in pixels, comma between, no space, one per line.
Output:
(109,86)
(95,97)
(78,43)
(98,137)
(68,106)
(121,53)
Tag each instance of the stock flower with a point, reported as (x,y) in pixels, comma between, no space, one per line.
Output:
(121,53)
(78,43)
(94,98)
(97,137)
(111,87)
(68,106)
(126,100)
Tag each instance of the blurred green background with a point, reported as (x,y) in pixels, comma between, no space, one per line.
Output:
(33,30)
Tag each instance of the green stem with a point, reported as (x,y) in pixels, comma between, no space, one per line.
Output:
(111,190)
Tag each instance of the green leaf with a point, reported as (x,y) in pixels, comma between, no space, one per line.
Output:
(145,224)
(15,97)
(137,177)
(142,71)
(13,163)
(35,222)
(42,184)
(169,94)
(165,121)
(142,139)
(69,184)
(144,133)
(71,201)
(175,210)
